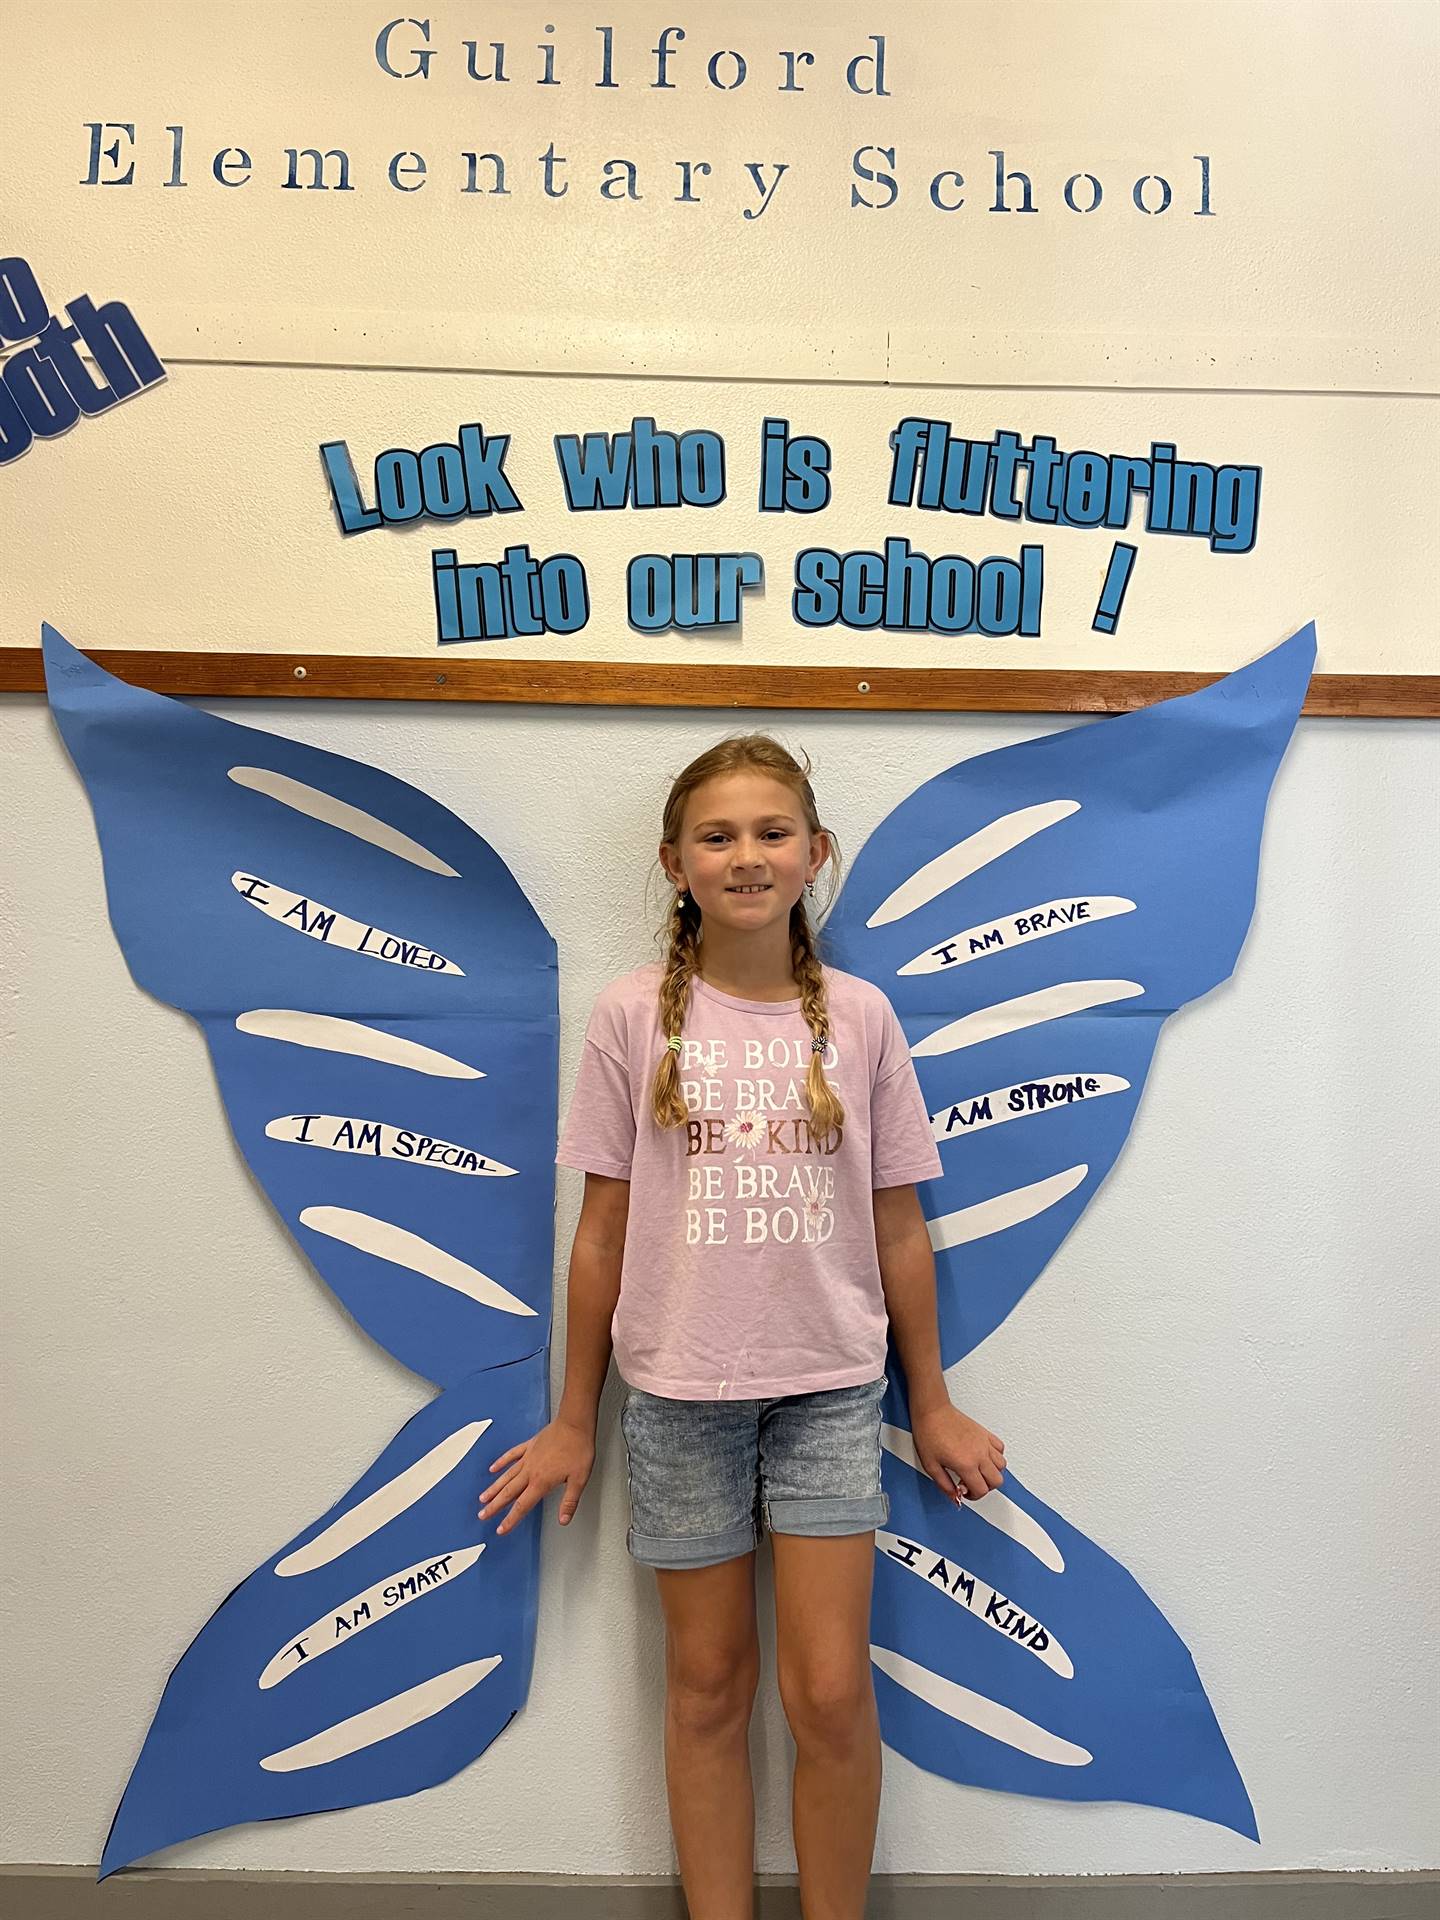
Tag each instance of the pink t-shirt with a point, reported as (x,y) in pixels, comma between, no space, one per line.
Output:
(750,1268)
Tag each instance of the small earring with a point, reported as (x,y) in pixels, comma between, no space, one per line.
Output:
(810,888)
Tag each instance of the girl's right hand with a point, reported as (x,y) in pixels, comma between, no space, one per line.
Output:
(559,1452)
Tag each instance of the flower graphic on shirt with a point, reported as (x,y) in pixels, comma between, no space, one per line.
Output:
(819,1190)
(744,1131)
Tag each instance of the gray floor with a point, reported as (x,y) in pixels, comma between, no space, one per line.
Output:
(70,1893)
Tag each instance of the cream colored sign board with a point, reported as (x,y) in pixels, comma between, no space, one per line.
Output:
(1202,223)
(212,483)
(1293,255)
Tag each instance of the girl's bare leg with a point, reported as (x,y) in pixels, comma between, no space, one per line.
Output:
(712,1667)
(822,1637)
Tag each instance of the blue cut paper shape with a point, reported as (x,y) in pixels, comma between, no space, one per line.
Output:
(1034,1663)
(1034,915)
(1151,822)
(400,1114)
(299,1024)
(382,1668)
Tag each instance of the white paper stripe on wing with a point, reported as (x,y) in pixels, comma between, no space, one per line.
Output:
(302,913)
(996,1509)
(1025,1010)
(405,1249)
(379,1508)
(339,1624)
(993,1608)
(319,805)
(385,1718)
(968,856)
(331,1034)
(1048,1093)
(1017,930)
(979,1711)
(1003,1210)
(348,1133)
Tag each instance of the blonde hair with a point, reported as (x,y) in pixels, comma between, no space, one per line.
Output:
(679,937)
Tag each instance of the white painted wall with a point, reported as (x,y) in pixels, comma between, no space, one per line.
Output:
(1226,1376)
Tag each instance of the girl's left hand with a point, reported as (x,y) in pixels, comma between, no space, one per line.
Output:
(951,1446)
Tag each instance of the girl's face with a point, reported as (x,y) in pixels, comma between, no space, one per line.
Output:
(745,851)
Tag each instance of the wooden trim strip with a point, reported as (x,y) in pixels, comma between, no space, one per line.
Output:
(625,683)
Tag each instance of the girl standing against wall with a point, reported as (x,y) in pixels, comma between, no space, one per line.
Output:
(751,1131)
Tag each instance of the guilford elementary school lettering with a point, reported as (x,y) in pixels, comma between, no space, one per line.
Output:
(555,68)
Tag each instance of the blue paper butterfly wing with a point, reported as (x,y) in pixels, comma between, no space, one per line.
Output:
(1011,1652)
(430,1081)
(339,1204)
(380,1003)
(1034,915)
(377,1654)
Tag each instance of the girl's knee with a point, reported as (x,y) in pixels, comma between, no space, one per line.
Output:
(828,1708)
(710,1693)
(712,1644)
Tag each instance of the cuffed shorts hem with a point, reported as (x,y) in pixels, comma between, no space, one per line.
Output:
(698,1550)
(823,1515)
(819,1518)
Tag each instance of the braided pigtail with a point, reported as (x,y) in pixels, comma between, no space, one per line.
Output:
(681,962)
(827,1112)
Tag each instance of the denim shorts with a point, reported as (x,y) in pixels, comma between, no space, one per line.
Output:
(705,1474)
